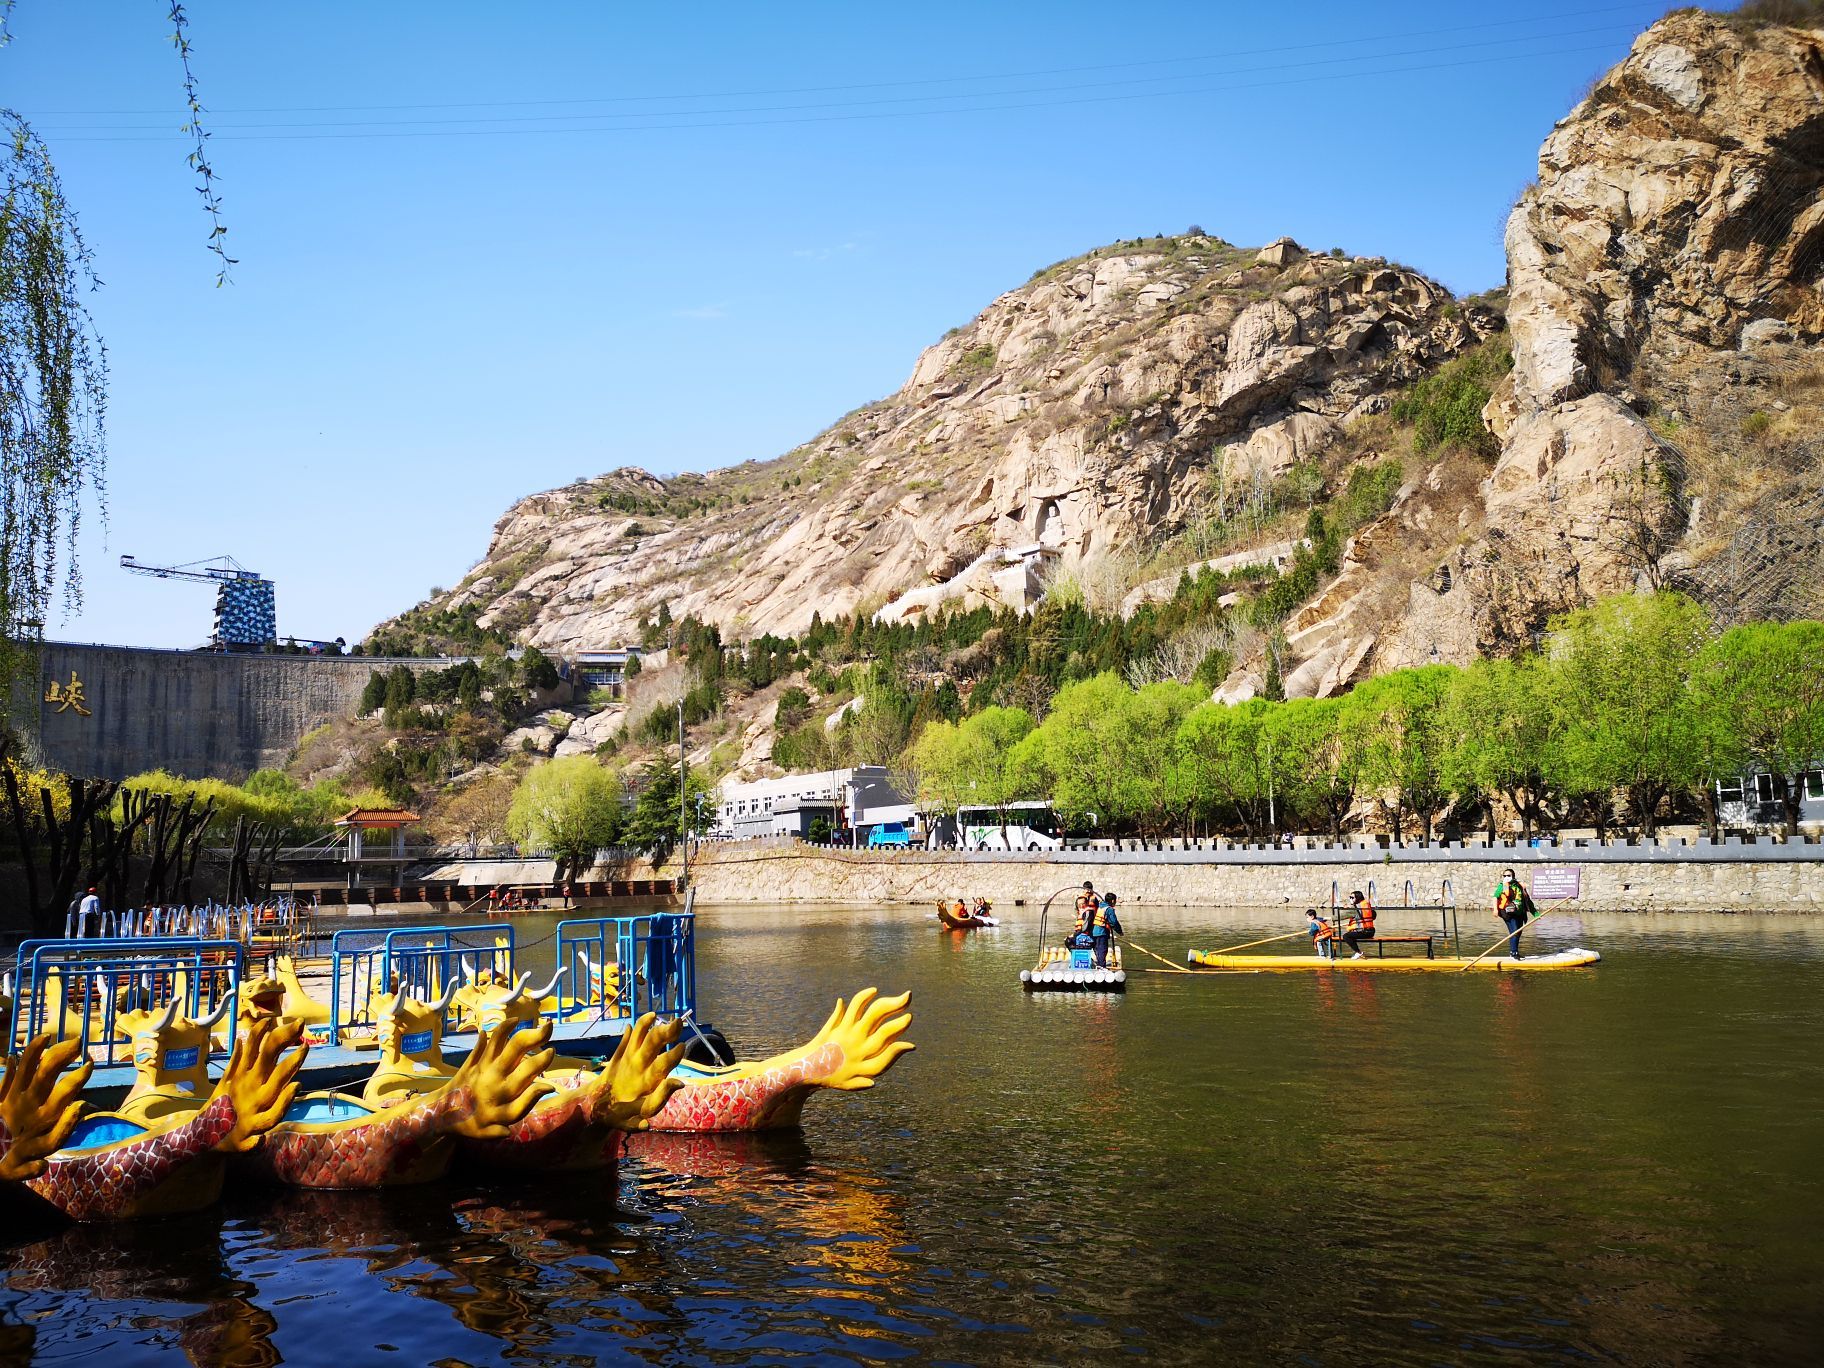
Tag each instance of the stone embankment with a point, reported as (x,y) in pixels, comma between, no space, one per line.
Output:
(1770,877)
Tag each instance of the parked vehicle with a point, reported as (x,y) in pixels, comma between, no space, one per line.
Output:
(1018,826)
(890,834)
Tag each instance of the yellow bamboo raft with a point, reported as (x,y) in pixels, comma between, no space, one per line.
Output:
(1403,964)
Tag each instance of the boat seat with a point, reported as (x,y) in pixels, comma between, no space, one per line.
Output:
(1426,941)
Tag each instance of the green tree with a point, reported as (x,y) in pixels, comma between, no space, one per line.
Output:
(972,761)
(1621,672)
(53,392)
(1217,761)
(654,822)
(570,807)
(1396,720)
(1319,758)
(536,669)
(373,694)
(1758,697)
(1079,755)
(1501,726)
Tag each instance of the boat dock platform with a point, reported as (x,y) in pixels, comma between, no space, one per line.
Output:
(612,970)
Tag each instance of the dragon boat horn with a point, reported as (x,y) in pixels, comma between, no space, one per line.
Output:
(221,1010)
(540,994)
(468,972)
(396,1008)
(164,1020)
(442,1004)
(519,988)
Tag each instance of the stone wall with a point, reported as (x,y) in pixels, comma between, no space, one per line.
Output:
(195,713)
(755,873)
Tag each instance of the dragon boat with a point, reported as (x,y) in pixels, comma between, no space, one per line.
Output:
(858,1042)
(163,1151)
(331,1139)
(1402,964)
(969,919)
(583,1106)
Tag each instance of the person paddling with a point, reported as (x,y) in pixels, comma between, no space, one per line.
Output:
(1513,904)
(1323,936)
(1103,923)
(1361,923)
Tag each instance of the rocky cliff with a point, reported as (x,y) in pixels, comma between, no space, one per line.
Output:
(1666,300)
(1102,408)
(1134,407)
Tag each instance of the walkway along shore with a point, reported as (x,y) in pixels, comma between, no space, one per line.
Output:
(1765,876)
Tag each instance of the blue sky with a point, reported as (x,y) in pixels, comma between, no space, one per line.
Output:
(486,249)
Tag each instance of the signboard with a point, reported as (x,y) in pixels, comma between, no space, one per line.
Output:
(1554,883)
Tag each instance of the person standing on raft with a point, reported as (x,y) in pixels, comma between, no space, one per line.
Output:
(1361,923)
(1513,904)
(1103,923)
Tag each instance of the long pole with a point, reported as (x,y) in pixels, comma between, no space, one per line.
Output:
(683,808)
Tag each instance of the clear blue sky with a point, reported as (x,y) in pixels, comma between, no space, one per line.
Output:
(677,236)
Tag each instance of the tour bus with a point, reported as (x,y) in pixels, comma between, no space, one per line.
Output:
(1029,826)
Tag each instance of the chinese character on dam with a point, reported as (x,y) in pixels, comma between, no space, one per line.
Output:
(67,697)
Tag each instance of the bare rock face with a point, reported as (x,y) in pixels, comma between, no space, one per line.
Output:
(1678,217)
(1093,410)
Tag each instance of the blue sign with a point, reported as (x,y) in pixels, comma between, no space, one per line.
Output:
(181,1059)
(416,1043)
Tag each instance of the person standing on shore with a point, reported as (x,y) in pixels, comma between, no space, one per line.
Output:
(1512,903)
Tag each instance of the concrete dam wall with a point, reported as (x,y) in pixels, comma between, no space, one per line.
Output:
(113,711)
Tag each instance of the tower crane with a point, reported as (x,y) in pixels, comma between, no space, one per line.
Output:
(244,614)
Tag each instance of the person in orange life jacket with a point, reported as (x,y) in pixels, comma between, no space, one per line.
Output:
(1103,923)
(1361,923)
(1512,904)
(1086,909)
(1323,937)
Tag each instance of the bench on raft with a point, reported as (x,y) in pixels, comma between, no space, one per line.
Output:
(1426,941)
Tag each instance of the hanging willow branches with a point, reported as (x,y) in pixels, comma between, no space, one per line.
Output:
(199,153)
(53,389)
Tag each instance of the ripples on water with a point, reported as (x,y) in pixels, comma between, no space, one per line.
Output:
(1618,1166)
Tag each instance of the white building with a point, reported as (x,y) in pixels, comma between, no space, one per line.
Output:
(849,800)
(1757,802)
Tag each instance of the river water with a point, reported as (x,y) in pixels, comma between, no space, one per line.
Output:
(1618,1164)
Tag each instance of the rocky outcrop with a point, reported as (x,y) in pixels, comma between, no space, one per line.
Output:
(1677,222)
(1663,423)
(1101,407)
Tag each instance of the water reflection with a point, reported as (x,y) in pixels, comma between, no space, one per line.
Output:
(172,1274)
(1620,1165)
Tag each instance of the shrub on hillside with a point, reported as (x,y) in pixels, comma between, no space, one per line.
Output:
(1445,409)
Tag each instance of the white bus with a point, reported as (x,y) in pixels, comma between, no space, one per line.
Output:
(1029,826)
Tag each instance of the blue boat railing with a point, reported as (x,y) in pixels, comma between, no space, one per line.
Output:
(655,953)
(423,960)
(86,984)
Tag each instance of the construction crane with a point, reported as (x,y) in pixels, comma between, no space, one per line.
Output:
(244,614)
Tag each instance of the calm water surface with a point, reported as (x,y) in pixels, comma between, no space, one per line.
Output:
(1619,1165)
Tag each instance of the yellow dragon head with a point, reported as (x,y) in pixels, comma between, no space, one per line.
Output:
(411,1032)
(171,1053)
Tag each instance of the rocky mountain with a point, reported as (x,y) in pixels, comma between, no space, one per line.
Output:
(1102,407)
(1666,301)
(1145,406)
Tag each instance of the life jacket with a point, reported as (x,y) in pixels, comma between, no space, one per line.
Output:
(1323,931)
(1364,914)
(1103,918)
